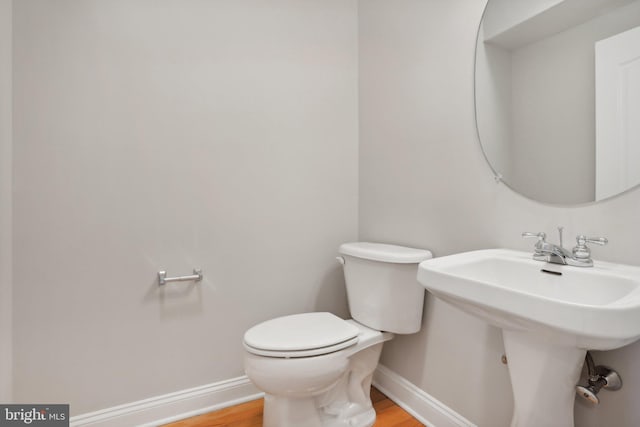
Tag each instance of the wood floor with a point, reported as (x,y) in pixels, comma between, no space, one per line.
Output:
(250,415)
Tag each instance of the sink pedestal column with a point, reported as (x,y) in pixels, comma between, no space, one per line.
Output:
(543,374)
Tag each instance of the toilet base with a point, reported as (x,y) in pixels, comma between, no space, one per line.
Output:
(287,412)
(347,403)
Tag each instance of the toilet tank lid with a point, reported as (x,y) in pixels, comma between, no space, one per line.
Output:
(385,253)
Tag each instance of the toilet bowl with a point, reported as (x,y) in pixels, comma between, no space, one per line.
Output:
(316,368)
(322,386)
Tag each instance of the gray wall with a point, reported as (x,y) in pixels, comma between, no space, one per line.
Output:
(166,136)
(173,134)
(424,182)
(5,201)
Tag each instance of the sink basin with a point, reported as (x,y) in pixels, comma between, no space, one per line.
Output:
(597,307)
(550,315)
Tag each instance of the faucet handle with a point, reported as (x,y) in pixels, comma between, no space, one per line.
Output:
(582,251)
(541,236)
(597,240)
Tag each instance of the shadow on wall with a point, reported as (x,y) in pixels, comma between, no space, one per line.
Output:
(176,300)
(416,342)
(619,402)
(332,294)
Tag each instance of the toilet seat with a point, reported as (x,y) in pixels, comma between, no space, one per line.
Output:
(301,335)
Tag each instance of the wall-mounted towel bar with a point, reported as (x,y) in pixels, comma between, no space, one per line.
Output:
(163,279)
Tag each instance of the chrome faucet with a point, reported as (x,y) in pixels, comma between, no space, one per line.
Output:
(580,256)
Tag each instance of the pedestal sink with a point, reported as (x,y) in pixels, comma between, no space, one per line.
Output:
(550,316)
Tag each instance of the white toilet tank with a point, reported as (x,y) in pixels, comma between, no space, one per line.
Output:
(381,284)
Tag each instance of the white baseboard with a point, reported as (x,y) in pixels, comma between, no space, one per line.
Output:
(424,407)
(173,406)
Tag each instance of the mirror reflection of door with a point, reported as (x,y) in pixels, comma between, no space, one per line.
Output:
(617,113)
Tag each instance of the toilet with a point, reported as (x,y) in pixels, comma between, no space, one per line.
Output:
(316,368)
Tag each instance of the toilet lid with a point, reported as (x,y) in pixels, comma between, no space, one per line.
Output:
(301,335)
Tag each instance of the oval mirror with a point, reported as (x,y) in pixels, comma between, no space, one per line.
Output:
(557,91)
